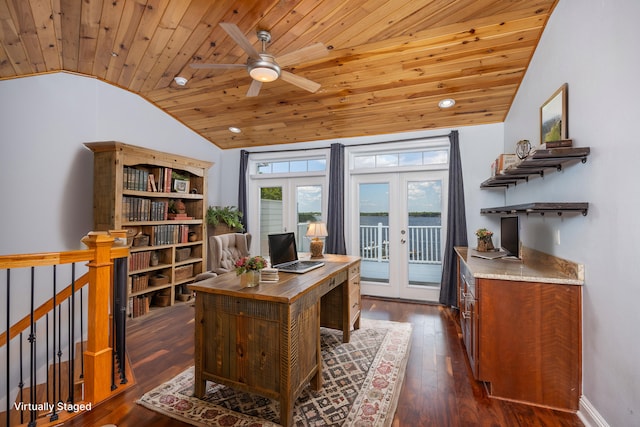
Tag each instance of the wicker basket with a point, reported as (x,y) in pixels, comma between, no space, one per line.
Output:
(158,279)
(141,240)
(161,300)
(184,272)
(182,254)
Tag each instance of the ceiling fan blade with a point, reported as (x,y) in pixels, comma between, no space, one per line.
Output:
(254,89)
(309,53)
(301,82)
(236,34)
(209,66)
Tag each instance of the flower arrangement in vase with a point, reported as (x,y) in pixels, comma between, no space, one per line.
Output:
(485,243)
(249,268)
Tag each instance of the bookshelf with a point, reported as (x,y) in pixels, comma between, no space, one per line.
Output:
(160,199)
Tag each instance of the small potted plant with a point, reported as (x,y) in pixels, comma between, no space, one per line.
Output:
(249,268)
(224,219)
(485,242)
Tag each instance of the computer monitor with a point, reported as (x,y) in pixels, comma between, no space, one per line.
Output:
(282,248)
(510,235)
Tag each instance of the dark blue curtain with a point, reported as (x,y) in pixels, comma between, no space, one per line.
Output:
(456,225)
(334,243)
(242,187)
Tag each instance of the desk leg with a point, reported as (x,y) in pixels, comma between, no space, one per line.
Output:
(199,385)
(316,380)
(286,411)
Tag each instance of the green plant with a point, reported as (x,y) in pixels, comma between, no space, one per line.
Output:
(229,215)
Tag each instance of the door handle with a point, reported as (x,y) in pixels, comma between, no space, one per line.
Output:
(403,241)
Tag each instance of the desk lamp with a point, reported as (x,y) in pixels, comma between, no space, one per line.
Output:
(315,231)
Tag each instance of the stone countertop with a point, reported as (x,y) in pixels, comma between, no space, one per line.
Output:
(534,266)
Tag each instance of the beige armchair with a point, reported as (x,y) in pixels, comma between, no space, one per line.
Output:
(226,249)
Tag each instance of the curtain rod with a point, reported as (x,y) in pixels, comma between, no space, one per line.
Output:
(352,145)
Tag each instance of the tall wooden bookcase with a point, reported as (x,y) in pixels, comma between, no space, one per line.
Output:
(137,189)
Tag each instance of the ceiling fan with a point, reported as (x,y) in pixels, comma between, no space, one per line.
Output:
(264,67)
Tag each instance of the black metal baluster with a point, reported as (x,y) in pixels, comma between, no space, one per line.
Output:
(81,335)
(21,383)
(59,354)
(72,317)
(8,372)
(112,338)
(32,357)
(120,289)
(54,414)
(46,355)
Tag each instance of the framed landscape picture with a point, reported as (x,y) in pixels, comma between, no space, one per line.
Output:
(553,117)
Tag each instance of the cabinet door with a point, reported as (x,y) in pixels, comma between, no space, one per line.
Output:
(530,341)
(468,315)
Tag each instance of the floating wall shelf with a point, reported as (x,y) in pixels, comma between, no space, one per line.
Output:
(536,165)
(539,208)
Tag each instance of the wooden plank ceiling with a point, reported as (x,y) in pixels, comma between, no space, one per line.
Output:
(389,61)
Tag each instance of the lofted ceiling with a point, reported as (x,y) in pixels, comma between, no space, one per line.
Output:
(389,62)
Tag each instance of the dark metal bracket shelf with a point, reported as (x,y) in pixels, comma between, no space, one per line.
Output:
(539,208)
(536,164)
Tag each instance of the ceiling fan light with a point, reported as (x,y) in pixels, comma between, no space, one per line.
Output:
(263,74)
(265,69)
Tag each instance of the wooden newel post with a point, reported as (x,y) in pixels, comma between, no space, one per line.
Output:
(98,355)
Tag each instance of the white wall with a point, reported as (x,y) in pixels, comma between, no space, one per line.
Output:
(46,171)
(592,46)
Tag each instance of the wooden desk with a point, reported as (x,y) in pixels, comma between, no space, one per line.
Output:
(266,340)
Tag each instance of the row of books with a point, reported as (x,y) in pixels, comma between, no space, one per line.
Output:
(139,306)
(168,234)
(141,209)
(139,260)
(139,282)
(157,179)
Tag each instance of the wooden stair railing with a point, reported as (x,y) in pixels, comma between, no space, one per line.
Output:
(98,356)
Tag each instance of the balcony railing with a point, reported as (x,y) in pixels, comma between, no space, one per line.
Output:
(423,241)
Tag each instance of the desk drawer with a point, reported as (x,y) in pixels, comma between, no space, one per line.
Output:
(354,298)
(354,269)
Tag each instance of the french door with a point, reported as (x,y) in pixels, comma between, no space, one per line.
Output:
(398,229)
(278,205)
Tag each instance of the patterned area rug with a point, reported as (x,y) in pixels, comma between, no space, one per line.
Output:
(362,381)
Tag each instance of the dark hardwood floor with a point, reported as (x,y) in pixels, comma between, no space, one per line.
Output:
(437,390)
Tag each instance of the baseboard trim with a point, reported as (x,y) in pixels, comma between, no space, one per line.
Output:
(589,416)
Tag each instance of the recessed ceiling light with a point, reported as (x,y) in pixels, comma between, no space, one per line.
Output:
(180,81)
(446,103)
(234,129)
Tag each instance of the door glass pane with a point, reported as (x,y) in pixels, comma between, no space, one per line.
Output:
(424,240)
(374,231)
(309,209)
(271,220)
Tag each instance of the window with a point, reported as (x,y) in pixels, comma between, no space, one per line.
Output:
(431,157)
(291,166)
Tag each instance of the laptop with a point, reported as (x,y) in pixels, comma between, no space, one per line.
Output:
(284,254)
